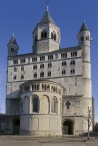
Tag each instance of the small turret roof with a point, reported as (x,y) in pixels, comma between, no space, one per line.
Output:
(13,40)
(83,27)
(47,17)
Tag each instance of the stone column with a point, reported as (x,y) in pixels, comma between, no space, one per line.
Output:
(50,107)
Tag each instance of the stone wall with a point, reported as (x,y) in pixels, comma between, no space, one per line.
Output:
(40,125)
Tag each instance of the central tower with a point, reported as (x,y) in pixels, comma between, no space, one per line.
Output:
(46,35)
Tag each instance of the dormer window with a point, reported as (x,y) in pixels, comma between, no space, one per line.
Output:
(43,34)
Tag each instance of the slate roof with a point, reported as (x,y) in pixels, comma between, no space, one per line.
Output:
(13,40)
(47,18)
(83,27)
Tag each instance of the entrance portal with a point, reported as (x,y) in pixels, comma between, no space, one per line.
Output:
(16,126)
(67,127)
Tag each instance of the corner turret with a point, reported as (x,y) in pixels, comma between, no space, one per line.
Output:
(84,36)
(12,47)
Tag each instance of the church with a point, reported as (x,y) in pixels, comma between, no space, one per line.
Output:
(49,90)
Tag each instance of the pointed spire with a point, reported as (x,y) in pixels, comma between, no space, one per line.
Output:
(13,40)
(47,17)
(83,27)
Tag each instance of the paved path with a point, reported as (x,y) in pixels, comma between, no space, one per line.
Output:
(35,141)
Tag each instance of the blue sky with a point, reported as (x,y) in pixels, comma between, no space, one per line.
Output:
(21,16)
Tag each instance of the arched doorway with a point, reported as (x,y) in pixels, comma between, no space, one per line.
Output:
(67,127)
(16,126)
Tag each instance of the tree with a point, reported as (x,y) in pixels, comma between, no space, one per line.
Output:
(89,119)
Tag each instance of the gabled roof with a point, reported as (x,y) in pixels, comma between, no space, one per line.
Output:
(47,18)
(13,40)
(83,27)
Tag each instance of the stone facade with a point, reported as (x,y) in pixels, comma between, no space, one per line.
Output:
(49,91)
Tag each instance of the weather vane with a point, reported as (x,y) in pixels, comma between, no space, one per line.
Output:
(47,1)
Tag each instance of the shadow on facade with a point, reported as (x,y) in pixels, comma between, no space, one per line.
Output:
(16,126)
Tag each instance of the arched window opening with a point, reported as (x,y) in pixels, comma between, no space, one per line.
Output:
(63,72)
(49,73)
(32,87)
(42,74)
(35,38)
(43,34)
(35,104)
(55,37)
(12,49)
(64,63)
(50,57)
(42,58)
(43,86)
(35,75)
(42,66)
(52,105)
(63,55)
(72,62)
(48,87)
(51,35)
(87,37)
(72,71)
(35,86)
(22,76)
(14,77)
(34,59)
(51,88)
(22,68)
(35,67)
(38,87)
(49,65)
(81,38)
(15,69)
(22,60)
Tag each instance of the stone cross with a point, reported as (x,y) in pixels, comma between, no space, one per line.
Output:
(67,104)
